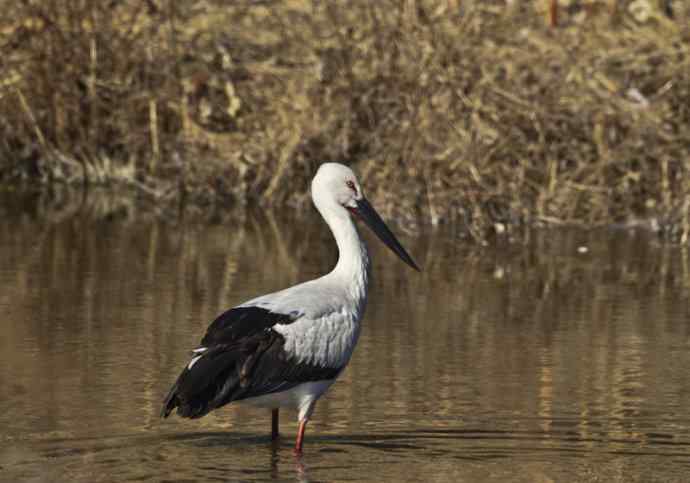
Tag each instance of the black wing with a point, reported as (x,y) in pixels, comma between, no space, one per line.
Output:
(243,357)
(240,322)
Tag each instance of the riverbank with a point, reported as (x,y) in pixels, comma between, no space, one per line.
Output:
(469,113)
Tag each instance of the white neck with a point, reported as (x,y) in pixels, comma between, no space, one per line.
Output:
(352,269)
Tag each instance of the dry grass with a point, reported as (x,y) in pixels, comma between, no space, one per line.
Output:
(472,112)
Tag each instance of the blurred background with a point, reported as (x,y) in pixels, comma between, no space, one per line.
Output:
(492,114)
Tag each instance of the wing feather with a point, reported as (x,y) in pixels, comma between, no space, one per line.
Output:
(241,356)
(239,322)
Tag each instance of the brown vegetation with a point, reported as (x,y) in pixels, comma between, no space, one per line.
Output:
(477,112)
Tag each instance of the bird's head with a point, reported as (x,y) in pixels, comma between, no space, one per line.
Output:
(336,191)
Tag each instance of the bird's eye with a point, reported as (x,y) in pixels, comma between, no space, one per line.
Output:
(351,185)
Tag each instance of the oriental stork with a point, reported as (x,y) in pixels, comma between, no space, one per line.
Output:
(285,349)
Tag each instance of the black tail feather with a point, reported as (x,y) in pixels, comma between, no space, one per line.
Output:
(208,385)
(170,402)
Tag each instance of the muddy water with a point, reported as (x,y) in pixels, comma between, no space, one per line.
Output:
(536,362)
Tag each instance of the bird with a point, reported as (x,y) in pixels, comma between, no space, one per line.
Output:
(286,348)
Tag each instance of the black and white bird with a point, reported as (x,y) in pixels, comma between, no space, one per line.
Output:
(285,349)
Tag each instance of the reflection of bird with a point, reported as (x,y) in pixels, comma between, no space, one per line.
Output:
(286,348)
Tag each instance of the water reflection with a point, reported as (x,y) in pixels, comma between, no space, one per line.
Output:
(534,362)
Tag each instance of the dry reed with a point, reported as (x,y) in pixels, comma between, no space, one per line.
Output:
(485,114)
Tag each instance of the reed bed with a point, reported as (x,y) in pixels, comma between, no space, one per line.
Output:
(491,115)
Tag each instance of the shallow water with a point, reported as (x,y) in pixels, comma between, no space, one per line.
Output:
(533,362)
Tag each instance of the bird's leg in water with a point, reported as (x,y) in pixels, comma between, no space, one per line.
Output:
(275,418)
(300,437)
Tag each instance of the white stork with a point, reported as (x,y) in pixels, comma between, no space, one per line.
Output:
(285,349)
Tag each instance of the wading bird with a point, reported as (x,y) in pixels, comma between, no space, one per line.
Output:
(285,349)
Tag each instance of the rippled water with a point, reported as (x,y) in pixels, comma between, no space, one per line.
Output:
(537,362)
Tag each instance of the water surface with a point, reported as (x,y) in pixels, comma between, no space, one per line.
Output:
(532,362)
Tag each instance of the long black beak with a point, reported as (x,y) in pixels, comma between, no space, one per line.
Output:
(368,214)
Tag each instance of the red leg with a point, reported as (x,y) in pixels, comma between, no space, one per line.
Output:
(300,437)
(275,419)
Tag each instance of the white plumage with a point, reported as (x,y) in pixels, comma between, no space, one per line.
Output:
(285,349)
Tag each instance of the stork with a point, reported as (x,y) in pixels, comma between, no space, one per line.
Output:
(285,349)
